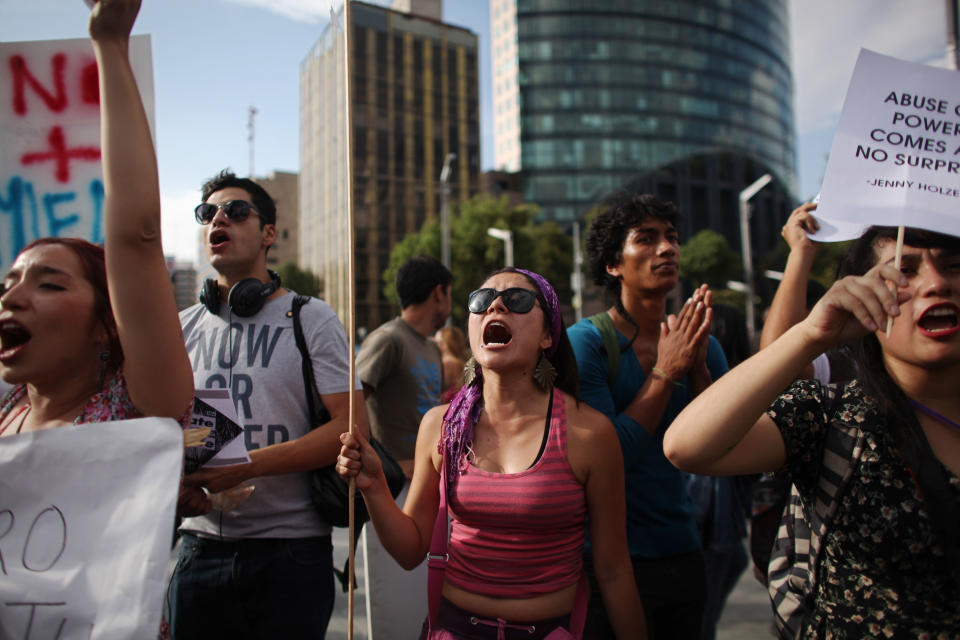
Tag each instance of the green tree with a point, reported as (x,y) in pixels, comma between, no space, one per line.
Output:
(300,280)
(824,265)
(541,247)
(707,257)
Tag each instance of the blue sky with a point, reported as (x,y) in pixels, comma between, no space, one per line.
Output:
(213,59)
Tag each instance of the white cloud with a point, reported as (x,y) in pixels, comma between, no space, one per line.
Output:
(299,10)
(828,35)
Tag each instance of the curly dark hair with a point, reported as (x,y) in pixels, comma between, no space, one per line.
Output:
(620,213)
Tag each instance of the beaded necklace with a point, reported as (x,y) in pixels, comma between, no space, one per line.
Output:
(23,411)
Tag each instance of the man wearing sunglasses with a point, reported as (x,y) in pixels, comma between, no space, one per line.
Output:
(402,372)
(265,568)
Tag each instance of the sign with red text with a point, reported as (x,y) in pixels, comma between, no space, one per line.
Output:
(50,178)
(86,523)
(895,158)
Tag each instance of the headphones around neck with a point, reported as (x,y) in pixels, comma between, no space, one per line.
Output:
(246,297)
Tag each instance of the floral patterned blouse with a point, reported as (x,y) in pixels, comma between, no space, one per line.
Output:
(112,403)
(882,569)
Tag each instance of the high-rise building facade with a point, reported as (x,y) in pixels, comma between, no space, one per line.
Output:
(284,188)
(414,99)
(506,89)
(690,99)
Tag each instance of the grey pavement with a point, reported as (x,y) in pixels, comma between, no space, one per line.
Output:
(747,614)
(337,629)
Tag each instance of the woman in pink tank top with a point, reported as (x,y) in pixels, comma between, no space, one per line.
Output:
(525,465)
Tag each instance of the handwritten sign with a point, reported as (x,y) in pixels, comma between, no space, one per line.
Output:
(50,178)
(895,158)
(86,524)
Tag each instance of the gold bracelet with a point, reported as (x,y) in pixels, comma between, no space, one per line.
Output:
(664,375)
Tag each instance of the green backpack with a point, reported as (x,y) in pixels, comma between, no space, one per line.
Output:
(611,344)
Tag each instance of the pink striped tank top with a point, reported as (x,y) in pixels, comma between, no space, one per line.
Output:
(519,535)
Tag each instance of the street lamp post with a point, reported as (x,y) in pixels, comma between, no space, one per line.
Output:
(445,209)
(745,249)
(576,278)
(507,236)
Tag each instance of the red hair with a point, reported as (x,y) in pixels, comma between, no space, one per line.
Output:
(91,258)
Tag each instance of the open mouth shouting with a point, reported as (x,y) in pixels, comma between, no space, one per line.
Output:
(218,239)
(496,334)
(939,320)
(13,337)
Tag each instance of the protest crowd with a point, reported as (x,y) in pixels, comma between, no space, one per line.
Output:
(609,479)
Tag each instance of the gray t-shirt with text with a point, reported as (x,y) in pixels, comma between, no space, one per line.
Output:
(259,361)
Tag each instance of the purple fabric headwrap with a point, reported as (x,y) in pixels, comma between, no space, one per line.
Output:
(465,407)
(556,325)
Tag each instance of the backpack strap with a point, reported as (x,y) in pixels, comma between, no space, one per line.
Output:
(438,557)
(608,333)
(318,413)
(795,558)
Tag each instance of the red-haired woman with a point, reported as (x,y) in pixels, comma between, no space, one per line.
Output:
(87,334)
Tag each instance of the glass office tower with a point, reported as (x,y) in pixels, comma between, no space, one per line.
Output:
(692,100)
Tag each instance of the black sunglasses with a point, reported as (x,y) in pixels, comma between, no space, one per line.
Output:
(235,210)
(516,299)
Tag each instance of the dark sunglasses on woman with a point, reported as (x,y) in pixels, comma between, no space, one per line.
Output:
(515,299)
(235,210)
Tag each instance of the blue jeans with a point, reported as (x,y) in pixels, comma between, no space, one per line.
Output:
(253,588)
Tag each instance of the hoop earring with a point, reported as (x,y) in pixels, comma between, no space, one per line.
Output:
(544,374)
(104,359)
(471,371)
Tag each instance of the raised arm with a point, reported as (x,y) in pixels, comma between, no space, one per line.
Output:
(405,534)
(725,430)
(156,365)
(789,304)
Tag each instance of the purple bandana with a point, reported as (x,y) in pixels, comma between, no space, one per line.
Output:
(465,407)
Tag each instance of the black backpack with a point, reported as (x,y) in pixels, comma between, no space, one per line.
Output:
(328,492)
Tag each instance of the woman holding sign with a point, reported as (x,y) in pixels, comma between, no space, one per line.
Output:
(90,334)
(524,464)
(876,460)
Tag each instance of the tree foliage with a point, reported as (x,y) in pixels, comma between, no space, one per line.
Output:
(300,280)
(541,247)
(707,257)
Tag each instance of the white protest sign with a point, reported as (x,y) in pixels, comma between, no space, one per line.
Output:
(895,158)
(50,177)
(86,525)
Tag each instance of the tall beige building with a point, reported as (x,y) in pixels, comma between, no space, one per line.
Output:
(414,100)
(506,88)
(284,188)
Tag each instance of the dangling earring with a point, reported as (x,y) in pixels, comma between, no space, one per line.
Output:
(470,371)
(104,359)
(544,373)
